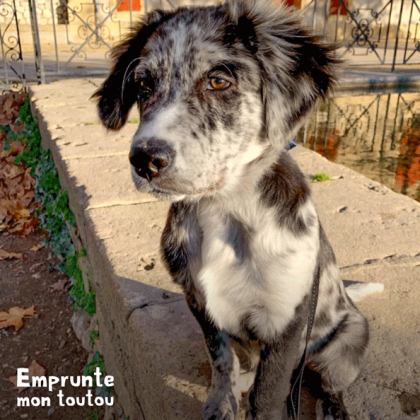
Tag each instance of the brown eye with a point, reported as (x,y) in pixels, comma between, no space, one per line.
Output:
(217,83)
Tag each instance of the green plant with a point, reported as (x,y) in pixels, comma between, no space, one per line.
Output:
(89,370)
(55,217)
(93,337)
(97,361)
(93,416)
(81,298)
(321,176)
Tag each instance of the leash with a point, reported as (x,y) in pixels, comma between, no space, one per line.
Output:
(293,400)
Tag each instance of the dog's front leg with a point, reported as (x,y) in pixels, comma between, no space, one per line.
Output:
(181,245)
(224,394)
(267,397)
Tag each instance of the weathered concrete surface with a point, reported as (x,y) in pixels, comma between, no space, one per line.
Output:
(151,343)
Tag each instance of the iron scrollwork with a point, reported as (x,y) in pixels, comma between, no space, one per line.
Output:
(11,49)
(366,30)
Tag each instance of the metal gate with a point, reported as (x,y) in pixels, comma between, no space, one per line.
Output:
(46,39)
(13,67)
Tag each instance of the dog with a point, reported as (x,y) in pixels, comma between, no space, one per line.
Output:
(221,92)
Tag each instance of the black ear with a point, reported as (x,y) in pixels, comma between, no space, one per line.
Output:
(296,67)
(118,93)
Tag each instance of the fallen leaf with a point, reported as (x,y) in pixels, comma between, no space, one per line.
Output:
(35,369)
(17,201)
(59,285)
(15,317)
(37,247)
(5,255)
(22,214)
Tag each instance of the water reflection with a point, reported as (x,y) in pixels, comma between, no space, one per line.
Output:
(377,135)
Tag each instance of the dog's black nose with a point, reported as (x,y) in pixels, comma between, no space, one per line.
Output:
(150,158)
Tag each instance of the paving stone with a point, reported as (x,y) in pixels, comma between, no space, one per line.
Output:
(104,182)
(389,386)
(363,219)
(92,141)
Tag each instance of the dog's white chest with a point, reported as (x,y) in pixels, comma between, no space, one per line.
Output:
(253,276)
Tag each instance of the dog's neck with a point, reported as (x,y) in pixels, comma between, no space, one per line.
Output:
(242,191)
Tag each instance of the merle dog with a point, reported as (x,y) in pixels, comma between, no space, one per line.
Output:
(221,91)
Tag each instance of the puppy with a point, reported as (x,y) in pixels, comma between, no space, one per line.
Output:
(221,92)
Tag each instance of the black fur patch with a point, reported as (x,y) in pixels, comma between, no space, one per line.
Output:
(244,31)
(285,188)
(176,253)
(238,239)
(119,92)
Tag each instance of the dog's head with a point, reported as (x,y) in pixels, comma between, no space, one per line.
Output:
(216,87)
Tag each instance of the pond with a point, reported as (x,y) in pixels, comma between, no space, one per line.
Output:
(375,134)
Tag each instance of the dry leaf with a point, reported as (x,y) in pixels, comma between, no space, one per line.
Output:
(37,247)
(17,200)
(5,255)
(34,370)
(15,317)
(59,285)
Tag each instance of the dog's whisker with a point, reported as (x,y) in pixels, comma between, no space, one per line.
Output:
(124,77)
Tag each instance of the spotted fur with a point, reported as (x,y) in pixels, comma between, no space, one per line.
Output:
(242,236)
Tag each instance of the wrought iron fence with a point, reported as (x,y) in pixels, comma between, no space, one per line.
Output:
(11,49)
(388,34)
(74,37)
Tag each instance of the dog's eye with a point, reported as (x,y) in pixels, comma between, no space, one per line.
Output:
(146,85)
(217,83)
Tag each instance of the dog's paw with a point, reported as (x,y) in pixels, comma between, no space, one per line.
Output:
(224,408)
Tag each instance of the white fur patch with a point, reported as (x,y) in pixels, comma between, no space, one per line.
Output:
(160,126)
(269,284)
(358,291)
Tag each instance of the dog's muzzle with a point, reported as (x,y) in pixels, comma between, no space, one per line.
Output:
(151,157)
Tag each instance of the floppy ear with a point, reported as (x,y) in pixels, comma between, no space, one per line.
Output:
(296,67)
(118,93)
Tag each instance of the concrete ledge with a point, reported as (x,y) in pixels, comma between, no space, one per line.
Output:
(151,343)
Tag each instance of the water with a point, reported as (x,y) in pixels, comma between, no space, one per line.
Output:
(376,134)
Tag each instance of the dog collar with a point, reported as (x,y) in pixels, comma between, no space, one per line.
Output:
(292,144)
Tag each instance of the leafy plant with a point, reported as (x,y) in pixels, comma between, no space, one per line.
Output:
(93,416)
(89,370)
(93,337)
(321,176)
